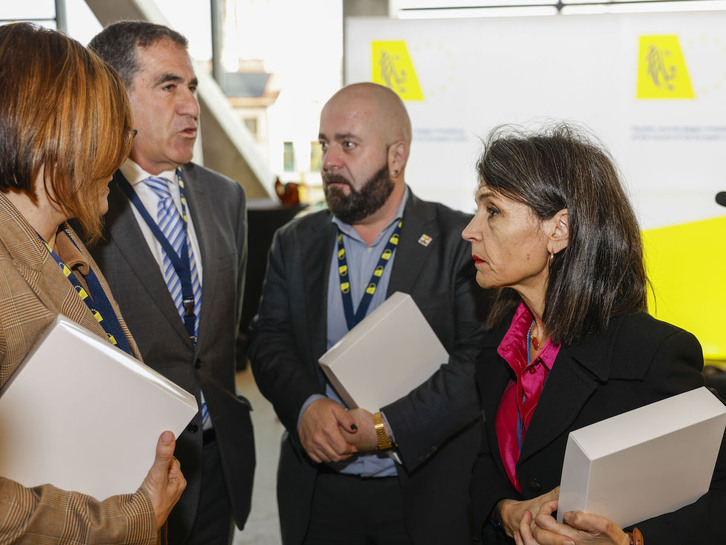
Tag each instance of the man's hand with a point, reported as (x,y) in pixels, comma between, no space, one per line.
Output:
(320,431)
(364,438)
(164,483)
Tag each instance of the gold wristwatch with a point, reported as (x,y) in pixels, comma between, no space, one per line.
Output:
(384,441)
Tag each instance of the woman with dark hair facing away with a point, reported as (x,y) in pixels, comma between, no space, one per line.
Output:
(65,127)
(570,342)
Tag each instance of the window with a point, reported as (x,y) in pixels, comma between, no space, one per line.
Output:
(288,157)
(316,156)
(251,124)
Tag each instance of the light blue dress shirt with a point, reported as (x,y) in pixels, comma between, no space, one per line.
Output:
(362,260)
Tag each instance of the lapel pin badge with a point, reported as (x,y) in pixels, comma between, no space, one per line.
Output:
(424,240)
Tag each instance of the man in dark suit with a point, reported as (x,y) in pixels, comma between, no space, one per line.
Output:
(399,476)
(174,255)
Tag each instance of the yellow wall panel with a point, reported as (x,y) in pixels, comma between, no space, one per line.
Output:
(687,266)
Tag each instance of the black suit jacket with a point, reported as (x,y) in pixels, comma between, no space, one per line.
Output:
(217,208)
(637,361)
(435,424)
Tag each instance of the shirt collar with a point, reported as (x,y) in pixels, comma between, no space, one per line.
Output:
(350,231)
(513,347)
(135,174)
(70,254)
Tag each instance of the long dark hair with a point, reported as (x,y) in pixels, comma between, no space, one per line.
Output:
(601,272)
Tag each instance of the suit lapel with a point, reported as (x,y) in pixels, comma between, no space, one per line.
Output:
(125,233)
(417,221)
(497,373)
(573,379)
(200,208)
(317,247)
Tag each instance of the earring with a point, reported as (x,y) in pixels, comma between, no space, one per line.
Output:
(395,172)
(552,258)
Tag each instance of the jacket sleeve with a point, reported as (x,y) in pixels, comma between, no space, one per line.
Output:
(50,515)
(275,353)
(677,368)
(448,401)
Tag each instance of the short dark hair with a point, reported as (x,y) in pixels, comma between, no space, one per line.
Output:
(601,272)
(63,110)
(117,44)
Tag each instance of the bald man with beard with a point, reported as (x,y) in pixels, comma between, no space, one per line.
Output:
(337,481)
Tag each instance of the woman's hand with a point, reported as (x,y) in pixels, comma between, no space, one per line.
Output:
(164,483)
(579,528)
(511,512)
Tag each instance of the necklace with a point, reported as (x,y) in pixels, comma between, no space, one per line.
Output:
(531,338)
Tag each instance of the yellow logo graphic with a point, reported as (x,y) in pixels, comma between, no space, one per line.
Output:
(371,288)
(97,315)
(392,67)
(343,270)
(387,253)
(81,292)
(662,71)
(378,271)
(345,287)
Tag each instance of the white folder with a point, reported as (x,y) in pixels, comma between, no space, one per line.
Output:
(645,462)
(85,416)
(389,353)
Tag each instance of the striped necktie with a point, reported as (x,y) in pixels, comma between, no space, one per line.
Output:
(174,228)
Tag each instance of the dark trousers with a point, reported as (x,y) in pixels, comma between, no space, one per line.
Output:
(213,525)
(350,510)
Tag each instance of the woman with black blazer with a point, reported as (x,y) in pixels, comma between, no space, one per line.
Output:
(570,342)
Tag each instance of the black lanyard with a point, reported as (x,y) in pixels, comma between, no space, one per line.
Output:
(353,317)
(98,302)
(180,263)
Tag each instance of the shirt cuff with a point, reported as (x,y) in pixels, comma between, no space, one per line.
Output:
(388,425)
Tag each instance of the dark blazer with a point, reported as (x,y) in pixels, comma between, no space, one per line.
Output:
(434,425)
(637,361)
(217,208)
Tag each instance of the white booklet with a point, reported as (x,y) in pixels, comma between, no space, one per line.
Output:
(389,353)
(85,416)
(645,462)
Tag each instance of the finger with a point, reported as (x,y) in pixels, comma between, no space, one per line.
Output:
(578,519)
(346,421)
(525,529)
(335,445)
(588,522)
(546,509)
(164,452)
(174,467)
(177,477)
(547,530)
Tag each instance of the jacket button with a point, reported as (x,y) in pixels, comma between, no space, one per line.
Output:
(534,485)
(192,428)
